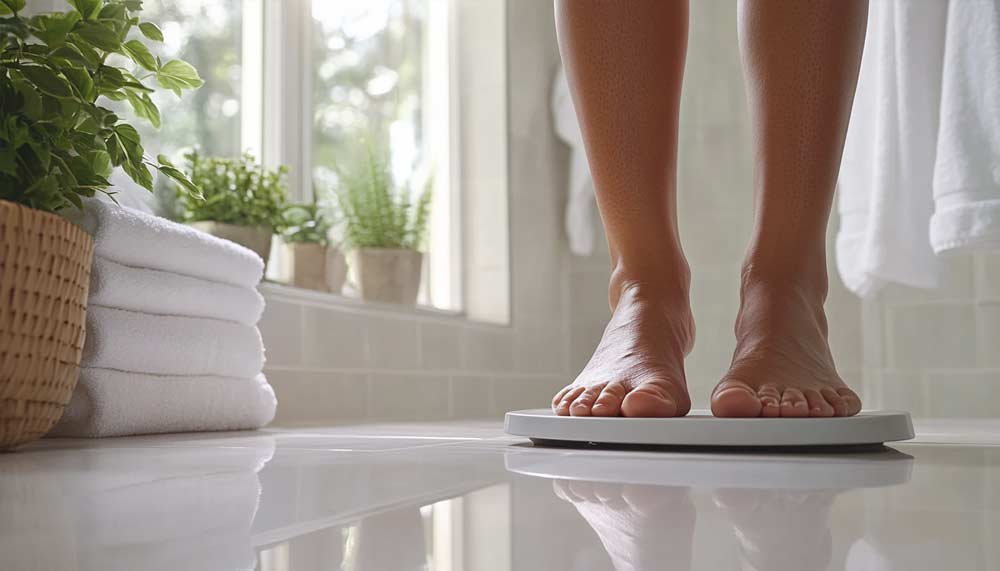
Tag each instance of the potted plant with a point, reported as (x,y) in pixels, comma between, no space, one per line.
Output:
(58,145)
(241,201)
(386,226)
(315,262)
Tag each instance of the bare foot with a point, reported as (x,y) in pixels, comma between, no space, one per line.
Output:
(638,367)
(642,527)
(782,365)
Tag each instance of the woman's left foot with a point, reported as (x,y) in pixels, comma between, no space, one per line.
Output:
(782,366)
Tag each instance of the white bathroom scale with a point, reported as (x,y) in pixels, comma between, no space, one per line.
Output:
(700,429)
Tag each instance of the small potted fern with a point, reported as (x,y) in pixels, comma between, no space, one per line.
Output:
(315,262)
(242,201)
(386,226)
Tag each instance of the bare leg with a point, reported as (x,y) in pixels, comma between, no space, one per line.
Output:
(801,63)
(624,62)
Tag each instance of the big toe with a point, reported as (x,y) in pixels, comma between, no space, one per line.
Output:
(735,399)
(652,399)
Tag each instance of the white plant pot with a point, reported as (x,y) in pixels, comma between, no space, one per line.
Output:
(336,269)
(256,238)
(308,263)
(389,275)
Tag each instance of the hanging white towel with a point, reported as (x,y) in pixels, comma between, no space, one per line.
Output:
(580,208)
(117,403)
(142,240)
(170,345)
(154,291)
(967,170)
(918,113)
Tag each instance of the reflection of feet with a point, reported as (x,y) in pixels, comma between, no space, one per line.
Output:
(780,530)
(638,367)
(640,526)
(782,365)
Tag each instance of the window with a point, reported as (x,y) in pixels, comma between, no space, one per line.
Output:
(302,83)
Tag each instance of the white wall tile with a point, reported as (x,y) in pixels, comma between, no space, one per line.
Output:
(903,391)
(962,394)
(521,393)
(540,347)
(471,397)
(311,396)
(393,343)
(488,349)
(932,336)
(957,284)
(334,339)
(441,346)
(988,276)
(988,334)
(281,328)
(408,397)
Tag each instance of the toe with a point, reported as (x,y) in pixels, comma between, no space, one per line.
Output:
(770,400)
(609,403)
(793,404)
(817,404)
(583,403)
(650,399)
(733,398)
(851,399)
(562,409)
(835,400)
(559,396)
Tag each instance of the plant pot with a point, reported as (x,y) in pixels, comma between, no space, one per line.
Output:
(256,238)
(336,269)
(308,265)
(44,281)
(389,275)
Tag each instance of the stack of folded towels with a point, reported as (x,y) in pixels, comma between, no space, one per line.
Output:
(172,343)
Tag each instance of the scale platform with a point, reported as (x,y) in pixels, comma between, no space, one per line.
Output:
(700,429)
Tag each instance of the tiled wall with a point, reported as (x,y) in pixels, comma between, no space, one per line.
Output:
(334,360)
(937,353)
(715,211)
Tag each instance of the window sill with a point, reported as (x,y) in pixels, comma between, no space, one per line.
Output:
(291,294)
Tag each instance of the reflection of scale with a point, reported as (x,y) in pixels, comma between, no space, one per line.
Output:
(885,467)
(700,428)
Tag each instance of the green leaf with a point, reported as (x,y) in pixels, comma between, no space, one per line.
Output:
(32,101)
(53,28)
(87,8)
(99,36)
(47,81)
(71,55)
(100,162)
(140,54)
(81,80)
(14,5)
(180,178)
(144,107)
(178,75)
(151,31)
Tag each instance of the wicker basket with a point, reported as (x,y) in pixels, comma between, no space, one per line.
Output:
(44,280)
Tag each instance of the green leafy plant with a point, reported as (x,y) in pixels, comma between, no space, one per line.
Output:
(378,213)
(234,191)
(308,223)
(57,142)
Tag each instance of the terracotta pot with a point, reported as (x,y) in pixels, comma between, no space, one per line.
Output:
(308,265)
(389,275)
(256,238)
(336,269)
(44,281)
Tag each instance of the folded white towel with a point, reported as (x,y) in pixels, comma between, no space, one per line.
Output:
(166,293)
(142,240)
(170,345)
(117,403)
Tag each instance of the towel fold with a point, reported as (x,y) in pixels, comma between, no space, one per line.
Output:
(142,240)
(170,345)
(116,403)
(154,291)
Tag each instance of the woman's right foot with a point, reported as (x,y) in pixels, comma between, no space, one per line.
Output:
(638,368)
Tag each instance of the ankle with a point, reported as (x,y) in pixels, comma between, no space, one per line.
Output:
(668,283)
(805,275)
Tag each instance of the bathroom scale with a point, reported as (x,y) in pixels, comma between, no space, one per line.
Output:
(700,429)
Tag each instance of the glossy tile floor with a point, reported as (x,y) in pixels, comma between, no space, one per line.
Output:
(463,496)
